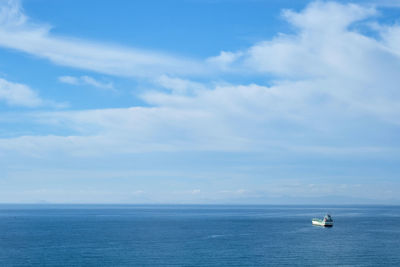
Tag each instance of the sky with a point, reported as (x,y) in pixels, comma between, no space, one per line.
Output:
(200,102)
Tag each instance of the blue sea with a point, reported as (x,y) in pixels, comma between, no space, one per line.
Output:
(197,235)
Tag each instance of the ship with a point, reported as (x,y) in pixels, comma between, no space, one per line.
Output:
(326,222)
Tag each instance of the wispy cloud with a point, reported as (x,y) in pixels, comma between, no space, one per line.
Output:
(69,80)
(178,85)
(86,80)
(17,94)
(333,98)
(331,85)
(17,32)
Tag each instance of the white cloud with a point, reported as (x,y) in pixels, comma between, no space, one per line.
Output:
(391,38)
(331,59)
(225,118)
(17,32)
(86,80)
(179,86)
(328,17)
(323,45)
(93,82)
(195,191)
(10,14)
(330,87)
(69,80)
(225,59)
(335,96)
(16,94)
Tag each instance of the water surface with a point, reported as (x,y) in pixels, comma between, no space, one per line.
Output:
(175,235)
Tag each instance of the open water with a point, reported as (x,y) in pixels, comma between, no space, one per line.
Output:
(143,235)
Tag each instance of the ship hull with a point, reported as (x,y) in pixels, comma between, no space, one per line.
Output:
(321,223)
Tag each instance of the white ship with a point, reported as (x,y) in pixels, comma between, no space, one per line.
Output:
(327,221)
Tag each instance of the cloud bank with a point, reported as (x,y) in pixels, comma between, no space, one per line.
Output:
(333,94)
(329,77)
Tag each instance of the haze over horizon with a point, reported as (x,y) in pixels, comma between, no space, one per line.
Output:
(206,102)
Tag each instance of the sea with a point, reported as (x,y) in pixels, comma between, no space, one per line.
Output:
(198,235)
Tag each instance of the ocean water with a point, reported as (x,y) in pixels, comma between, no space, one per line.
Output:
(142,235)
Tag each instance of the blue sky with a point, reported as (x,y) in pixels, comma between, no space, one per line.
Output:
(229,101)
